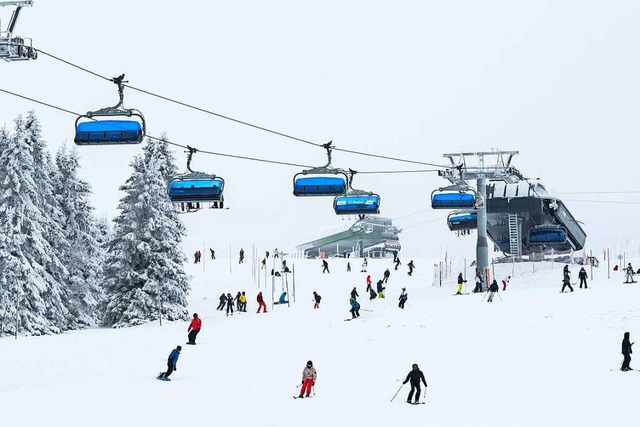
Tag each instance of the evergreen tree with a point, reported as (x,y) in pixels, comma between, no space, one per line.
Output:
(166,159)
(83,253)
(144,270)
(26,256)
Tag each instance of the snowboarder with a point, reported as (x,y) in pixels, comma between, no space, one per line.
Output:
(386,274)
(354,293)
(479,281)
(325,266)
(372,294)
(261,303)
(229,304)
(317,299)
(364,266)
(223,302)
(348,267)
(282,299)
(492,290)
(171,363)
(309,376)
(368,284)
(213,253)
(415,376)
(626,352)
(505,282)
(241,256)
(629,274)
(243,303)
(566,281)
(403,298)
(460,282)
(380,289)
(397,261)
(411,267)
(355,308)
(194,329)
(582,275)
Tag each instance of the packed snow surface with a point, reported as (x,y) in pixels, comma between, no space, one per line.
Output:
(535,357)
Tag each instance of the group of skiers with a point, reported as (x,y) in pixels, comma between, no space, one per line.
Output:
(197,257)
(227,300)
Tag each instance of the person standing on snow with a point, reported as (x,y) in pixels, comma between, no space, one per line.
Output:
(243,303)
(403,298)
(364,266)
(171,363)
(368,284)
(241,260)
(325,266)
(626,352)
(492,290)
(213,253)
(223,301)
(479,281)
(194,329)
(415,377)
(582,275)
(261,303)
(229,304)
(317,299)
(237,300)
(348,267)
(629,274)
(411,267)
(460,282)
(380,289)
(309,376)
(355,308)
(397,263)
(505,282)
(387,273)
(566,281)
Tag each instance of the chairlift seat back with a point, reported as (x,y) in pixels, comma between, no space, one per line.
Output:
(357,204)
(319,185)
(108,132)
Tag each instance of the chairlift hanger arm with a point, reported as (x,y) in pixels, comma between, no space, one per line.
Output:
(16,13)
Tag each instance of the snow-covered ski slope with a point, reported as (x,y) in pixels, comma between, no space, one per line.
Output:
(536,357)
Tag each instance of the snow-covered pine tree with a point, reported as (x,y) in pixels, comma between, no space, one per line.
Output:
(83,253)
(160,150)
(144,273)
(25,253)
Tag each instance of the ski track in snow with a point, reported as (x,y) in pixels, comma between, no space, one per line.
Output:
(535,358)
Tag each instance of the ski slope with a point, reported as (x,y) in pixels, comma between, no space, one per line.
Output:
(536,357)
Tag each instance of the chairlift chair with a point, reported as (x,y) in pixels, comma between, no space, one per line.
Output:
(547,235)
(321,181)
(461,220)
(93,129)
(190,191)
(453,197)
(356,202)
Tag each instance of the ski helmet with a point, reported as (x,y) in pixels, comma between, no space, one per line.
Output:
(415,366)
(309,363)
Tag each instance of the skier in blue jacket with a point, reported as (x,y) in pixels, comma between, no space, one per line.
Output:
(355,308)
(171,363)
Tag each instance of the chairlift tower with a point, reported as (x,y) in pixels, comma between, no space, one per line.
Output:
(481,166)
(13,47)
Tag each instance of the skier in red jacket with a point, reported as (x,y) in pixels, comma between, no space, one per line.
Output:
(261,303)
(194,328)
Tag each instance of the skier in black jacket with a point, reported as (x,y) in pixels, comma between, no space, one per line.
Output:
(582,275)
(626,351)
(415,376)
(492,290)
(354,293)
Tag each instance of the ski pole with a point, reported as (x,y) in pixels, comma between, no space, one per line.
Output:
(394,396)
(499,295)
(485,295)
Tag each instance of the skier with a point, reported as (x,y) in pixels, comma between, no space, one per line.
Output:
(355,308)
(395,256)
(368,284)
(223,302)
(261,303)
(397,261)
(229,304)
(505,282)
(309,376)
(387,273)
(263,264)
(403,298)
(243,303)
(275,253)
(565,270)
(285,269)
(325,266)
(380,289)
(626,352)
(194,329)
(460,282)
(241,256)
(171,363)
(364,266)
(372,294)
(237,300)
(267,254)
(582,275)
(199,254)
(195,257)
(492,290)
(415,376)
(213,253)
(479,281)
(354,293)
(317,299)
(348,267)
(566,281)
(629,274)
(411,267)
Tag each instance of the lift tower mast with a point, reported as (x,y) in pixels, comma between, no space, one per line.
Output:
(482,166)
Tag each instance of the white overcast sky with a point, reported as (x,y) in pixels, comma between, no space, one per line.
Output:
(556,80)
